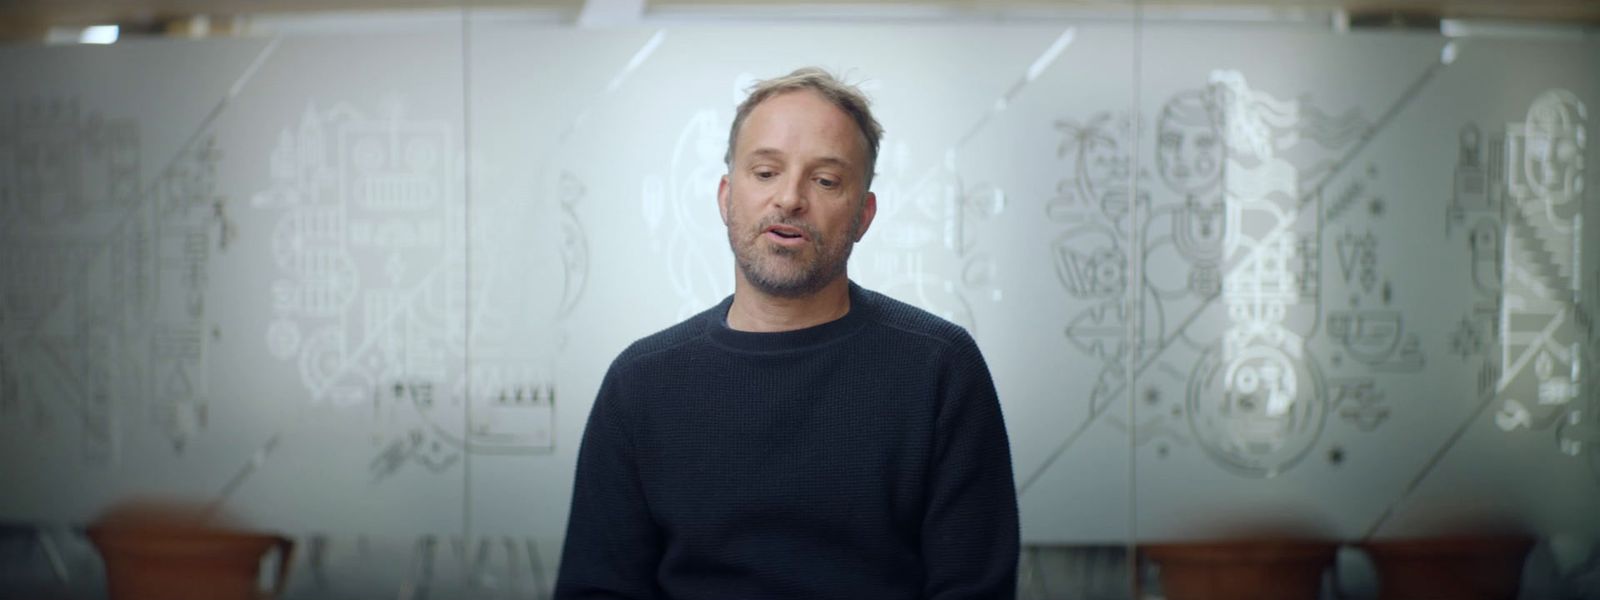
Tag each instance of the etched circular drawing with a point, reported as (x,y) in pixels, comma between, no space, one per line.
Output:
(422,154)
(1258,412)
(321,360)
(1089,262)
(369,154)
(1197,231)
(283,339)
(1553,155)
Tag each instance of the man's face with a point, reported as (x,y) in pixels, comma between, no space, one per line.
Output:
(795,199)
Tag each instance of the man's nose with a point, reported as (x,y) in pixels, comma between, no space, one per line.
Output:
(792,199)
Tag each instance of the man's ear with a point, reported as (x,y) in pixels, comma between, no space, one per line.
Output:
(722,198)
(869,209)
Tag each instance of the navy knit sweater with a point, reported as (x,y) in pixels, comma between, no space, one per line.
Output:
(861,458)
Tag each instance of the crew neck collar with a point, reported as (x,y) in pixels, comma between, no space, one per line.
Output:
(787,341)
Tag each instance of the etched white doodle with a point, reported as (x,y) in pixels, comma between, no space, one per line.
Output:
(103,306)
(1255,409)
(699,276)
(1091,254)
(1222,239)
(1257,400)
(1542,341)
(932,220)
(370,295)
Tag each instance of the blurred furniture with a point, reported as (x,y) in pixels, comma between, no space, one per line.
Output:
(1462,568)
(1242,570)
(165,553)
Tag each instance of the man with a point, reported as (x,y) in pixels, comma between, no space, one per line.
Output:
(805,438)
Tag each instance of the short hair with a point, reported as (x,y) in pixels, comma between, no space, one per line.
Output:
(846,97)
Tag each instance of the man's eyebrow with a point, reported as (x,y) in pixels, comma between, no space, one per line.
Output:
(776,153)
(834,161)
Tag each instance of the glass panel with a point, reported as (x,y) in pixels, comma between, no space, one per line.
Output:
(111,306)
(552,305)
(233,279)
(1233,281)
(1381,243)
(594,193)
(350,292)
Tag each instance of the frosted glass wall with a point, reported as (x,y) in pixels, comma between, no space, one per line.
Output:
(1229,278)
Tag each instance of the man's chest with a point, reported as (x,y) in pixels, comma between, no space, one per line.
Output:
(807,454)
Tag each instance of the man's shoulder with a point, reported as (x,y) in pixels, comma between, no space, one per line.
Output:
(685,332)
(916,322)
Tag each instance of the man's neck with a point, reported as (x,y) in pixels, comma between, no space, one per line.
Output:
(756,311)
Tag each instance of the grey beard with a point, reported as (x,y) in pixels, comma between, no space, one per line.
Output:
(810,282)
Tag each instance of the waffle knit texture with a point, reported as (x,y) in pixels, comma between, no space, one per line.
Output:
(862,458)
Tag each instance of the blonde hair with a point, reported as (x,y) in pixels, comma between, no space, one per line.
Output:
(847,97)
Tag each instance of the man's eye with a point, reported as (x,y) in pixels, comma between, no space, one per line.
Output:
(826,182)
(765,174)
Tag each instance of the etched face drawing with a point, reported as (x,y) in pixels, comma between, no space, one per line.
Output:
(1547,152)
(1554,156)
(1189,148)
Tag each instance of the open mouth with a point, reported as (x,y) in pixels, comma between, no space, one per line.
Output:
(786,233)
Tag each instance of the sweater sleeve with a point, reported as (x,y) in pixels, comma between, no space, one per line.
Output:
(970,532)
(613,545)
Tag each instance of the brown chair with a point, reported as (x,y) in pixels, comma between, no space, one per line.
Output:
(1242,570)
(160,553)
(1462,568)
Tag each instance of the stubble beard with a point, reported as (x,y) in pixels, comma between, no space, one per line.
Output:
(780,271)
